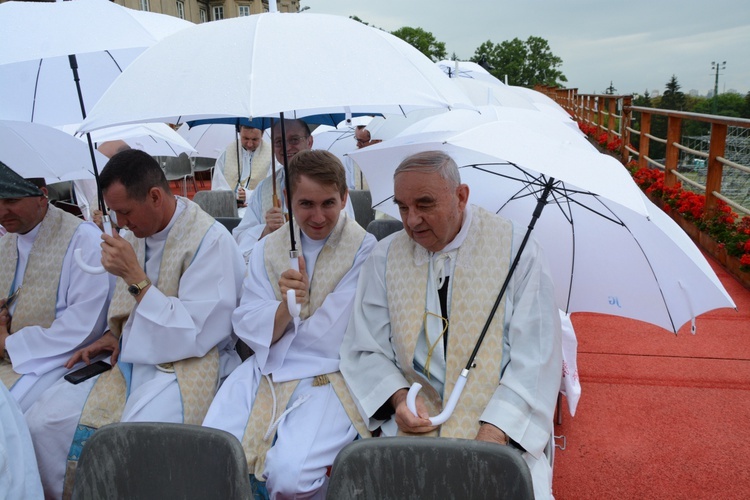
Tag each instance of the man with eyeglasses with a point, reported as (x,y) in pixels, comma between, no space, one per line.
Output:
(262,217)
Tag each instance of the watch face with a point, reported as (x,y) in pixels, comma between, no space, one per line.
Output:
(134,290)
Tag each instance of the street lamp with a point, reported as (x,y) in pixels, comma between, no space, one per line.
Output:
(717,67)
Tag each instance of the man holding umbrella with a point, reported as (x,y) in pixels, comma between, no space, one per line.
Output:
(263,216)
(295,368)
(243,173)
(422,298)
(52,307)
(179,278)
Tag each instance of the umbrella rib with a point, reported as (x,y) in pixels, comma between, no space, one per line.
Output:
(113,60)
(36,88)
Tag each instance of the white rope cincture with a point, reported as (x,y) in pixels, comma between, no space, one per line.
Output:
(276,421)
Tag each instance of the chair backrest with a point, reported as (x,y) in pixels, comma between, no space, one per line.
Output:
(362,204)
(177,167)
(217,203)
(380,228)
(147,460)
(229,222)
(420,467)
(202,163)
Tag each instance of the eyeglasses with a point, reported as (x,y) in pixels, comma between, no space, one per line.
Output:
(362,141)
(294,140)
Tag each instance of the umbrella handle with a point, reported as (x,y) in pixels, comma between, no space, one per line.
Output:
(291,297)
(411,399)
(79,259)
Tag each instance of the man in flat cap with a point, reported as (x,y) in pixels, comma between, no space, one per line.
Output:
(49,307)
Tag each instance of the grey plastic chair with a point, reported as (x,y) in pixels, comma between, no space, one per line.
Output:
(380,228)
(179,169)
(203,164)
(398,468)
(148,460)
(229,222)
(362,204)
(217,203)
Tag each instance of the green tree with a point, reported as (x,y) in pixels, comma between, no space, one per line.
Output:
(359,20)
(422,40)
(673,98)
(526,63)
(746,107)
(643,100)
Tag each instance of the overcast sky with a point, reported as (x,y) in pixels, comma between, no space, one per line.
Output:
(636,44)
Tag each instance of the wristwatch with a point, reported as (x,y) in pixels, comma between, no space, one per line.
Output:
(136,288)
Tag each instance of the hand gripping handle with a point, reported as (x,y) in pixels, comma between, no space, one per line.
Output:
(79,258)
(411,399)
(291,297)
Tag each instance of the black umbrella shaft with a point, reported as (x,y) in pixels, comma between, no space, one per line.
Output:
(287,183)
(74,68)
(537,212)
(239,161)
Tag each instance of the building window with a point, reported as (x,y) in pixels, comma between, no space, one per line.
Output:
(181,10)
(203,15)
(218,12)
(244,10)
(145,6)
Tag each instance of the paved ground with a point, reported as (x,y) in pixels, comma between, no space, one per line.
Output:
(660,416)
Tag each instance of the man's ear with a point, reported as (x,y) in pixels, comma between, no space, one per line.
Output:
(155,196)
(44,191)
(462,191)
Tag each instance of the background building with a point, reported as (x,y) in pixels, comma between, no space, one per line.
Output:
(201,11)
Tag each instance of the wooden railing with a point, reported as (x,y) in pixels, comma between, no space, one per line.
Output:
(618,118)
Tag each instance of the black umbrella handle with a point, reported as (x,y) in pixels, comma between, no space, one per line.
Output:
(537,212)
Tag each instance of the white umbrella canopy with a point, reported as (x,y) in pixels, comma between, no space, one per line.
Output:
(461,119)
(604,257)
(260,66)
(156,139)
(209,140)
(466,70)
(36,150)
(38,37)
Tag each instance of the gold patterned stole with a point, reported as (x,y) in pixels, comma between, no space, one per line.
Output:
(481,265)
(266,195)
(258,165)
(36,304)
(334,261)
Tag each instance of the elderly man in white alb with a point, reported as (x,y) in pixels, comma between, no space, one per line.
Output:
(242,173)
(179,279)
(422,299)
(262,216)
(296,365)
(52,307)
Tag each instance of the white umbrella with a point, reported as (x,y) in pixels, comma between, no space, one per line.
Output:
(210,140)
(466,70)
(35,150)
(156,139)
(261,65)
(57,59)
(604,256)
(37,39)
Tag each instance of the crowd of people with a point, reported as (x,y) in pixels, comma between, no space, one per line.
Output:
(374,316)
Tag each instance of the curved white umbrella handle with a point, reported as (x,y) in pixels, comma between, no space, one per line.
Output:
(411,399)
(79,259)
(291,297)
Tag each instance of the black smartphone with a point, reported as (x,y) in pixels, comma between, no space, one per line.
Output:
(87,372)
